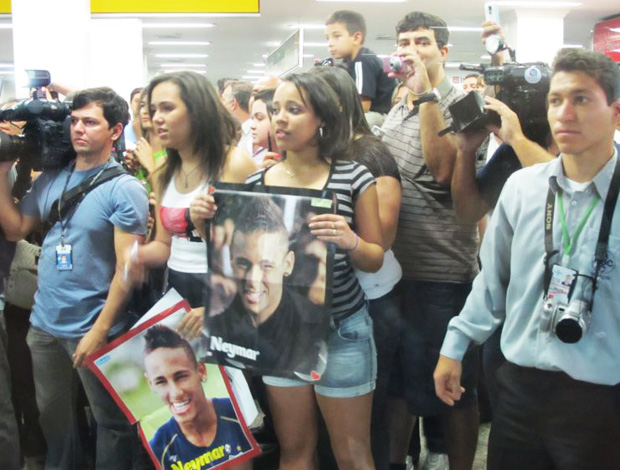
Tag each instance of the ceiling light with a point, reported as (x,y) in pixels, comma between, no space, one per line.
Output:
(6,65)
(307,26)
(185,70)
(179,43)
(178,25)
(259,65)
(464,29)
(453,65)
(6,25)
(181,64)
(485,57)
(537,4)
(251,77)
(573,46)
(272,44)
(7,72)
(181,56)
(260,72)
(309,56)
(315,44)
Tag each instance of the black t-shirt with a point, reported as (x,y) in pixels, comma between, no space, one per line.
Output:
(371,80)
(374,155)
(492,177)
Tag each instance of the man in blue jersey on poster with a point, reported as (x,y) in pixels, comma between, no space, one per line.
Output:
(203,432)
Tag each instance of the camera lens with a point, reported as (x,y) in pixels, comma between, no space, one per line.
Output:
(396,64)
(568,330)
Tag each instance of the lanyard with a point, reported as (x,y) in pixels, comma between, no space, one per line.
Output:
(603,235)
(63,224)
(568,241)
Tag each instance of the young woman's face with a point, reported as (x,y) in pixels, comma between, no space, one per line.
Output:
(261,124)
(294,123)
(170,117)
(145,117)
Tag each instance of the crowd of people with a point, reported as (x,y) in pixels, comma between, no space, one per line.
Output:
(413,294)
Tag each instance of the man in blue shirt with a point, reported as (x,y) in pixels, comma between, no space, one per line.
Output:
(203,432)
(559,392)
(80,293)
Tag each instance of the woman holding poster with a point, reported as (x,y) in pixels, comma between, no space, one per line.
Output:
(312,130)
(198,134)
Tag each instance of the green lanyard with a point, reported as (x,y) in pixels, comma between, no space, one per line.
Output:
(568,241)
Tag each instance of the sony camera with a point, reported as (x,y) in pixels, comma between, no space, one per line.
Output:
(45,142)
(568,322)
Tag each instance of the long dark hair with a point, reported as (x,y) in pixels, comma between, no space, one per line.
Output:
(212,127)
(341,82)
(325,104)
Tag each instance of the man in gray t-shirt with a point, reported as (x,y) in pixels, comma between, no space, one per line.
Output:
(81,291)
(437,254)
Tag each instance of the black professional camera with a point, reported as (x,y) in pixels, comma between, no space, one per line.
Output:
(45,143)
(569,322)
(522,87)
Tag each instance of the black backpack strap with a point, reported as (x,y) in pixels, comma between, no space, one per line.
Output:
(75,195)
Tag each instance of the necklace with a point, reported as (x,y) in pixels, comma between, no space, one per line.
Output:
(187,175)
(290,173)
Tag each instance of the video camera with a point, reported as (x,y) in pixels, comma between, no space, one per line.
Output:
(522,87)
(45,142)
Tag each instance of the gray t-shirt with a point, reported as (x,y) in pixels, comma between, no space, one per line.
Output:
(67,303)
(430,244)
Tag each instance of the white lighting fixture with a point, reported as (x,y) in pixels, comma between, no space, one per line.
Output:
(181,56)
(259,65)
(6,65)
(485,57)
(307,26)
(256,72)
(309,56)
(537,4)
(272,44)
(251,77)
(187,70)
(6,25)
(177,25)
(315,44)
(572,46)
(180,64)
(7,72)
(179,43)
(464,29)
(383,56)
(453,65)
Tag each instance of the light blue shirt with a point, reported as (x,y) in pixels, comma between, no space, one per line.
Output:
(509,288)
(67,303)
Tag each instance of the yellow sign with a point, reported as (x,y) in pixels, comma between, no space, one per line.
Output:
(164,6)
(177,6)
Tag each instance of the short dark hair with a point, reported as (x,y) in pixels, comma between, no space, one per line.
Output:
(336,131)
(260,214)
(212,127)
(344,86)
(420,20)
(352,20)
(266,96)
(241,91)
(115,108)
(596,65)
(160,336)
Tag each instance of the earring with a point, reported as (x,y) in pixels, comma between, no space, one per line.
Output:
(321,132)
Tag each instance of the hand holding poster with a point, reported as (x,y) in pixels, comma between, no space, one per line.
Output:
(187,413)
(268,308)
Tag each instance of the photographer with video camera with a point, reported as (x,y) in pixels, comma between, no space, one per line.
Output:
(95,213)
(475,193)
(549,274)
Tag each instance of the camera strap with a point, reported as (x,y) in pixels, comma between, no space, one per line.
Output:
(72,198)
(603,236)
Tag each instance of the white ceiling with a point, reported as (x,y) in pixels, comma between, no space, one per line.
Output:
(238,42)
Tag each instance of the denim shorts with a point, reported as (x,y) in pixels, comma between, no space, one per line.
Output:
(351,360)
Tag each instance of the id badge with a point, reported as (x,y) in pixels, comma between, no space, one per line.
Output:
(64,260)
(561,285)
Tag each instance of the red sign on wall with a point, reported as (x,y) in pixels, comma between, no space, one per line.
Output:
(607,38)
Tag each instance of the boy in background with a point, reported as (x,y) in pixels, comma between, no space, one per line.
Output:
(345,31)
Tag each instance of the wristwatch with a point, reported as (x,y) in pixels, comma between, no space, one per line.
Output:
(432,95)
